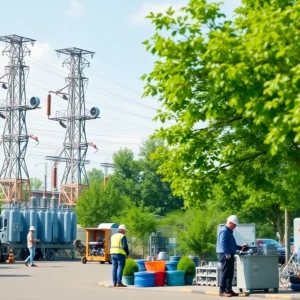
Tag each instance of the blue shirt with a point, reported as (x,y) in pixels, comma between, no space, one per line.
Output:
(125,245)
(226,241)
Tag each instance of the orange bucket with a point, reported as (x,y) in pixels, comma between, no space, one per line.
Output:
(153,266)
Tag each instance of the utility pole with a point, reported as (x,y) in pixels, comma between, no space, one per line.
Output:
(14,177)
(106,166)
(73,119)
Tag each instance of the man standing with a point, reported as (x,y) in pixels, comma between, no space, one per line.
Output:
(31,241)
(118,251)
(226,249)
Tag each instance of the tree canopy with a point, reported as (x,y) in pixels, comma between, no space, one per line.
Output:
(230,87)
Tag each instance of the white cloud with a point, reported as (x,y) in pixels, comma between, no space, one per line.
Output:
(139,17)
(76,8)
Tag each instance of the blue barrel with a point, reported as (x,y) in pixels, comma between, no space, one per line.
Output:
(48,226)
(171,265)
(175,258)
(175,278)
(144,279)
(195,259)
(55,233)
(67,226)
(74,226)
(141,264)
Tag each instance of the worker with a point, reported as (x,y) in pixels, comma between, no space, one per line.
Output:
(31,241)
(226,249)
(119,251)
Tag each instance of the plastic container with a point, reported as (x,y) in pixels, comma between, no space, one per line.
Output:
(141,264)
(163,256)
(195,259)
(160,278)
(144,279)
(175,258)
(171,265)
(155,266)
(175,278)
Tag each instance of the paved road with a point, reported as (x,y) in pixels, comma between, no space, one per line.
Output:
(72,280)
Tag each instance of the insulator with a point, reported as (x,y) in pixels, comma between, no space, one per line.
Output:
(49,105)
(93,145)
(54,177)
(33,137)
(2,116)
(34,102)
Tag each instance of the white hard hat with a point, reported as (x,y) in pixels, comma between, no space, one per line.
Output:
(122,226)
(233,219)
(31,228)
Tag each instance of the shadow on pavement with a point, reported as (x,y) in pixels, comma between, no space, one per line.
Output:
(14,275)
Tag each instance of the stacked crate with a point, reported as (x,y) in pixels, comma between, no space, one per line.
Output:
(210,274)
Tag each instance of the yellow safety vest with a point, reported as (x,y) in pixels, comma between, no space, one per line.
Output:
(116,244)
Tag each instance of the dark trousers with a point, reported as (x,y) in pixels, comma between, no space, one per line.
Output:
(118,264)
(227,271)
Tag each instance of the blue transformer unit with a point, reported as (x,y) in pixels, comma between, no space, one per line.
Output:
(61,217)
(74,226)
(67,226)
(33,220)
(48,227)
(55,229)
(41,226)
(25,220)
(15,225)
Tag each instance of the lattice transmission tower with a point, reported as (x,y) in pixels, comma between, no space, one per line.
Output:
(14,177)
(75,145)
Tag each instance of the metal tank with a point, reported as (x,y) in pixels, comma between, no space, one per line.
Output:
(15,225)
(25,217)
(41,225)
(33,217)
(74,226)
(67,226)
(48,227)
(55,233)
(61,218)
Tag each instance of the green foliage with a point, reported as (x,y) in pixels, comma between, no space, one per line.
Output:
(230,89)
(140,223)
(130,267)
(100,204)
(187,265)
(36,183)
(94,175)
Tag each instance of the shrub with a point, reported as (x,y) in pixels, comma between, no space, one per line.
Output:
(187,265)
(130,267)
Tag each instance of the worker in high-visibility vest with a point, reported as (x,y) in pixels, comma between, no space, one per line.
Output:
(119,251)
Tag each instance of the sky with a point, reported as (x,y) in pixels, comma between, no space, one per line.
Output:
(114,30)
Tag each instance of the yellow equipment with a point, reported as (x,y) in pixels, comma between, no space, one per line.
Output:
(97,243)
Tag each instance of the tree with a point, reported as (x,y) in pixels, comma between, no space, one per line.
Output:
(36,183)
(100,204)
(94,175)
(231,91)
(140,223)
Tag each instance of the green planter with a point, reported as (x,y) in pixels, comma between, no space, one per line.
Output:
(189,280)
(128,280)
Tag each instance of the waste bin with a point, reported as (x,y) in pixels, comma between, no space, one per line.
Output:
(257,272)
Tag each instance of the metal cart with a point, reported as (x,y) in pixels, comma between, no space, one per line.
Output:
(257,272)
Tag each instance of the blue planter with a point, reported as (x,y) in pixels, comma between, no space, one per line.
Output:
(175,258)
(144,279)
(171,265)
(128,280)
(141,264)
(175,278)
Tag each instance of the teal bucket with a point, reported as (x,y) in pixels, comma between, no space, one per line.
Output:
(171,265)
(175,278)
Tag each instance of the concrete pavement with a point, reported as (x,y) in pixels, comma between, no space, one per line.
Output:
(61,280)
